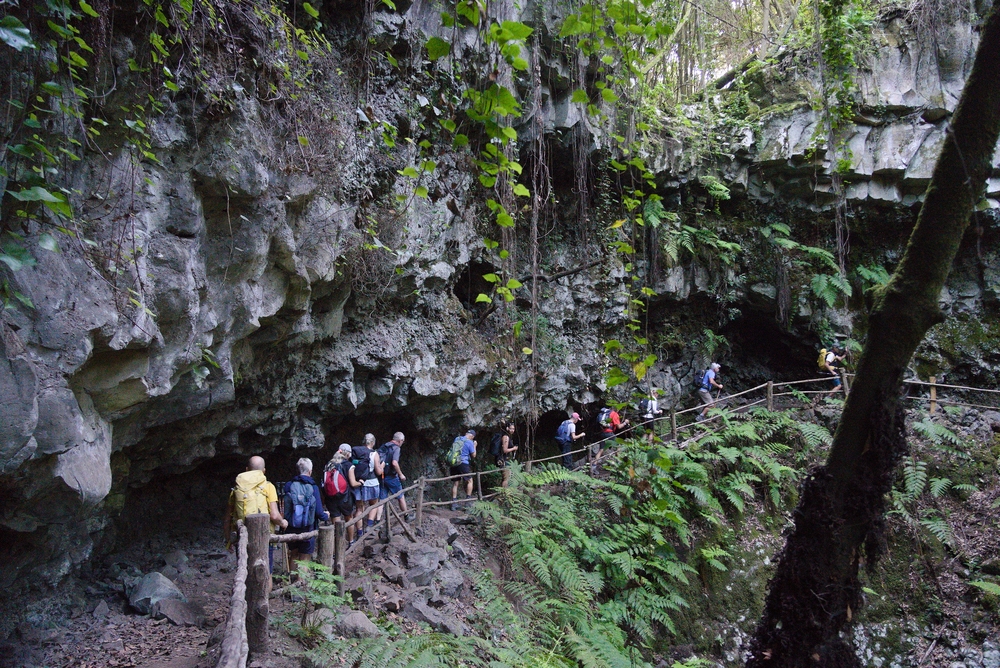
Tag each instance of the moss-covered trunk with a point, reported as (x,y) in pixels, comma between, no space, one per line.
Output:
(815,591)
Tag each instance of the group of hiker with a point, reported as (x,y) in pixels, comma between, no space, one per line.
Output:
(357,477)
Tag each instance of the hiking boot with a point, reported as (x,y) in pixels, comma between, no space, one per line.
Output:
(454,506)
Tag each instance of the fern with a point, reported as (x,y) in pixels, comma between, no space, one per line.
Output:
(940,486)
(938,527)
(988,587)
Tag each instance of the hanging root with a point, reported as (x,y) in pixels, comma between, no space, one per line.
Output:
(815,592)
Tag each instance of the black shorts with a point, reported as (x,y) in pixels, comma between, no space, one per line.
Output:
(340,507)
(463,470)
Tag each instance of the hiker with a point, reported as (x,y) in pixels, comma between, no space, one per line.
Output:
(463,451)
(503,448)
(337,487)
(611,423)
(364,480)
(392,481)
(831,363)
(253,494)
(705,389)
(650,409)
(566,435)
(303,510)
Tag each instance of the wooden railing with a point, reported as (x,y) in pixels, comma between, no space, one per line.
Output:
(234,650)
(246,627)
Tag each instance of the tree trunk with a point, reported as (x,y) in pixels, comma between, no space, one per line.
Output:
(815,592)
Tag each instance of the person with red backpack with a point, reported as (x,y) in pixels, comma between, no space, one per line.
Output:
(337,487)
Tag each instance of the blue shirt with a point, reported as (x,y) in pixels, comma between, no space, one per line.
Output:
(468,448)
(706,381)
(319,512)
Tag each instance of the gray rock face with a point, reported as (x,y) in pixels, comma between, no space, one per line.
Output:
(152,589)
(906,97)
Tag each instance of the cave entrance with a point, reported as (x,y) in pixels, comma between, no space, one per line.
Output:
(471,284)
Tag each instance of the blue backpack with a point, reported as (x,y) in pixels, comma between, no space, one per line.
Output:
(562,434)
(300,504)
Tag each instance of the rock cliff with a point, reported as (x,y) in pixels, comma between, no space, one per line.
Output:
(279,301)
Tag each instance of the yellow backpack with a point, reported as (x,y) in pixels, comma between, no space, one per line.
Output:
(822,359)
(248,495)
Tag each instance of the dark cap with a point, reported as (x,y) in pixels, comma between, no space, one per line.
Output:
(471,432)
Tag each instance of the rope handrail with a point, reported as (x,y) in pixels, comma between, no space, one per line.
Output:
(951,387)
(235,647)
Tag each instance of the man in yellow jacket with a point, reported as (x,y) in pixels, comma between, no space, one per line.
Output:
(252,494)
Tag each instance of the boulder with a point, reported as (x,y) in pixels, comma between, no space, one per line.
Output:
(321,619)
(178,612)
(356,625)
(393,573)
(450,581)
(421,576)
(459,550)
(176,558)
(419,611)
(424,555)
(151,589)
(102,610)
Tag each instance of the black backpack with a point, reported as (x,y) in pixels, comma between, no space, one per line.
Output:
(362,460)
(385,456)
(644,406)
(496,445)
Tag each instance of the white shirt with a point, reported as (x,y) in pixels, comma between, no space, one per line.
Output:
(653,409)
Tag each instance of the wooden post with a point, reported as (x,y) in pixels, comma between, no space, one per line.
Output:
(770,395)
(387,529)
(339,550)
(933,380)
(843,381)
(479,485)
(258,582)
(673,424)
(420,502)
(325,546)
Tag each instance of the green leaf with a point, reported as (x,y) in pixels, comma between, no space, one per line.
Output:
(516,29)
(521,191)
(310,10)
(410,172)
(615,376)
(609,96)
(491,278)
(420,191)
(88,10)
(437,48)
(303,140)
(392,61)
(510,133)
(48,242)
(447,124)
(487,180)
(483,298)
(526,350)
(514,284)
(988,587)
(517,328)
(36,194)
(460,140)
(428,165)
(519,64)
(14,34)
(171,86)
(504,219)
(580,97)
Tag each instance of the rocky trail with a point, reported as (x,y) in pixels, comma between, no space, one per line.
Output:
(91,622)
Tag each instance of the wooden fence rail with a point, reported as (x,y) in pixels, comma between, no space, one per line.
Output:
(235,649)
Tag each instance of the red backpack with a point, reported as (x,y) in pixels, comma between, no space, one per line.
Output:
(334,482)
